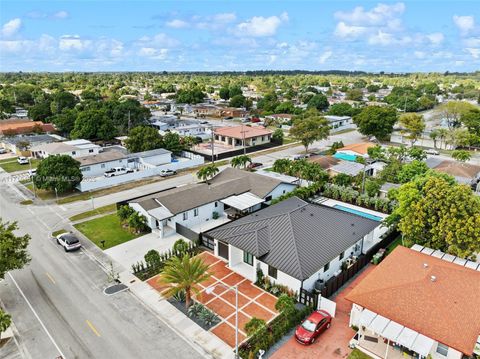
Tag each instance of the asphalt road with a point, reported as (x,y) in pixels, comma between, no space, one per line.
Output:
(57,302)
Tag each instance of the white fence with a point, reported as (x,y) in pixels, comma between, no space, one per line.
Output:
(93,183)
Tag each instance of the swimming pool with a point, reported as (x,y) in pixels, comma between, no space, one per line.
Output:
(357,212)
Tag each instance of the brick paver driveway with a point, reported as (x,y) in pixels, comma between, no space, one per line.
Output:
(252,300)
(333,343)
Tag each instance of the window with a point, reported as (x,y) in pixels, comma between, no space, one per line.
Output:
(268,198)
(248,258)
(74,153)
(185,216)
(216,204)
(85,169)
(272,272)
(442,349)
(195,212)
(90,151)
(341,256)
(327,267)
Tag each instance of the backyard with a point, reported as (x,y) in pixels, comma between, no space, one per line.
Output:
(357,354)
(107,229)
(11,165)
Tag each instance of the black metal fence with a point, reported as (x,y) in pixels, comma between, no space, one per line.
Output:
(187,233)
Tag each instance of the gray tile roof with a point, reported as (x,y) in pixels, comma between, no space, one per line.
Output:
(294,236)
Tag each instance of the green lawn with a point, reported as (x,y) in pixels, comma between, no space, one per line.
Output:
(397,242)
(107,228)
(14,166)
(94,212)
(60,231)
(41,193)
(10,159)
(357,354)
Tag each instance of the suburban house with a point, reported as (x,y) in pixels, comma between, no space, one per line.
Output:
(339,123)
(418,303)
(15,143)
(237,136)
(355,168)
(202,206)
(351,152)
(282,117)
(295,243)
(464,173)
(205,110)
(16,126)
(324,161)
(73,148)
(231,112)
(182,127)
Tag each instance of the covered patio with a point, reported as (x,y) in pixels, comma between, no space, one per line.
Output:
(241,205)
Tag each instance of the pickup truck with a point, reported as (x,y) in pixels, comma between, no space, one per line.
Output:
(117,171)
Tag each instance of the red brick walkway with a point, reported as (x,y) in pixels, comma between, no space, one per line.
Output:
(332,344)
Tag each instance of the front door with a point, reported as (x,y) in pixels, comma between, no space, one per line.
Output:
(223,250)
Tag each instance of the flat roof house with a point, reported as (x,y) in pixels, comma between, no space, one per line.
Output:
(235,135)
(294,242)
(339,123)
(11,142)
(201,206)
(415,304)
(73,148)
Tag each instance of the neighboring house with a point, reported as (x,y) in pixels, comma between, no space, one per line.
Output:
(339,123)
(231,112)
(282,117)
(74,148)
(293,242)
(424,303)
(464,173)
(386,187)
(17,126)
(205,110)
(351,152)
(229,194)
(11,143)
(235,136)
(326,162)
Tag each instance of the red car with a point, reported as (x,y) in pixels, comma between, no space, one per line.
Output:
(312,327)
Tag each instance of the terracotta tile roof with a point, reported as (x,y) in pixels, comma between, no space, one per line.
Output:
(361,148)
(24,126)
(446,309)
(236,131)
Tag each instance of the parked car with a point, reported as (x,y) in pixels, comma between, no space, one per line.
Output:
(166,173)
(32,172)
(3,150)
(68,241)
(431,151)
(117,171)
(253,165)
(255,120)
(22,160)
(309,330)
(301,157)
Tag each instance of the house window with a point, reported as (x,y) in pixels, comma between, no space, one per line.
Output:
(341,256)
(442,349)
(272,272)
(248,258)
(327,267)
(90,151)
(74,153)
(85,169)
(216,204)
(195,212)
(185,216)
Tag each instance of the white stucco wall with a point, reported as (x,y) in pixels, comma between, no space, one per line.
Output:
(150,220)
(205,214)
(282,278)
(281,189)
(157,160)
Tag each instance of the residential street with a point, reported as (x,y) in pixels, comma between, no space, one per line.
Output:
(58,305)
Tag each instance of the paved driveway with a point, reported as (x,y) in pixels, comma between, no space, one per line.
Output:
(333,343)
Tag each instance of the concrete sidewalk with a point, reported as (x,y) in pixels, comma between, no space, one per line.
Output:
(205,342)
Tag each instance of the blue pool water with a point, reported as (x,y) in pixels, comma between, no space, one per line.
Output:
(359,213)
(345,157)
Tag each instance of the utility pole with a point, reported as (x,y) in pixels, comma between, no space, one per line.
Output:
(129,123)
(243,138)
(212,144)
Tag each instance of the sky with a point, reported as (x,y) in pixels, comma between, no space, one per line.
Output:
(230,35)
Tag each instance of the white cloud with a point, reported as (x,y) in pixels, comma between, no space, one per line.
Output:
(259,26)
(160,40)
(11,27)
(464,23)
(73,42)
(158,54)
(225,18)
(419,54)
(435,38)
(384,38)
(60,15)
(351,32)
(177,24)
(474,52)
(325,56)
(382,14)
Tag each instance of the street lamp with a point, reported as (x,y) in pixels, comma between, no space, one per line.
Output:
(56,194)
(209,290)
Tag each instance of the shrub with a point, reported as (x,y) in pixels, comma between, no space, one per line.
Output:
(180,246)
(124,212)
(195,309)
(180,296)
(207,316)
(152,257)
(137,222)
(285,304)
(215,215)
(254,325)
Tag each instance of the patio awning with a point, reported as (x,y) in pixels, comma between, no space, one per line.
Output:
(243,201)
(422,345)
(367,317)
(160,213)
(392,331)
(407,337)
(379,324)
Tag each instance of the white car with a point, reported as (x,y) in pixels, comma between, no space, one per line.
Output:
(3,150)
(167,173)
(117,171)
(68,241)
(22,160)
(431,151)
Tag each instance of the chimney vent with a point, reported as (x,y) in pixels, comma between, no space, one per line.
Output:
(433,278)
(425,265)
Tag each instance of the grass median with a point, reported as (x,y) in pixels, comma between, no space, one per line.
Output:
(14,166)
(107,229)
(94,212)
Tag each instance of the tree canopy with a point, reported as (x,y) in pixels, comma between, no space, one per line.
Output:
(143,138)
(376,121)
(60,172)
(13,248)
(310,129)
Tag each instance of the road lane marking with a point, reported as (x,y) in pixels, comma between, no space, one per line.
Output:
(36,316)
(93,328)
(50,277)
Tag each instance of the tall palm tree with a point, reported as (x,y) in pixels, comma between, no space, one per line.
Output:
(182,273)
(241,161)
(207,172)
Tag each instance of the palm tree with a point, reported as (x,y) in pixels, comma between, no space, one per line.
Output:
(182,273)
(442,134)
(207,172)
(241,161)
(434,135)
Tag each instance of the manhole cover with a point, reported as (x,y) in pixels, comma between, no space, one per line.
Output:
(115,289)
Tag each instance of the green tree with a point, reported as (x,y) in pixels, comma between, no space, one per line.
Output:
(93,124)
(40,111)
(143,138)
(355,95)
(416,153)
(237,101)
(207,172)
(376,121)
(461,155)
(60,172)
(254,325)
(128,114)
(471,120)
(285,107)
(282,165)
(13,249)
(342,179)
(5,321)
(318,102)
(124,212)
(341,109)
(190,96)
(184,274)
(172,142)
(152,257)
(137,222)
(436,212)
(452,111)
(310,129)
(413,126)
(372,187)
(277,136)
(241,161)
(65,121)
(224,93)
(434,136)
(410,170)
(62,100)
